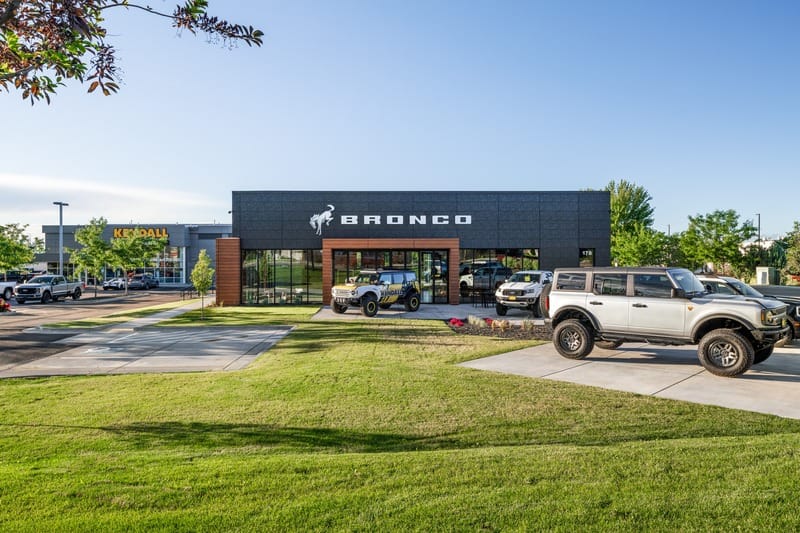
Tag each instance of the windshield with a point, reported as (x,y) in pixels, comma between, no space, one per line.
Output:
(687,281)
(743,288)
(367,277)
(526,277)
(41,279)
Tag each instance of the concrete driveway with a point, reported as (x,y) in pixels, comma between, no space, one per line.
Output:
(771,387)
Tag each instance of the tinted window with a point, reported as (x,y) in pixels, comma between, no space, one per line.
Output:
(652,285)
(397,277)
(571,281)
(610,284)
(411,276)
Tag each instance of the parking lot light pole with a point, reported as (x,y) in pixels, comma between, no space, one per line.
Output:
(60,236)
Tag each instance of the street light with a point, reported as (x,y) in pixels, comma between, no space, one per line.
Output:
(60,236)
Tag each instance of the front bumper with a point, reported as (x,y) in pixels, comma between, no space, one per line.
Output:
(519,302)
(771,336)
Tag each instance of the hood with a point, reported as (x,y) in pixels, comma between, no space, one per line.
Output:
(766,303)
(518,285)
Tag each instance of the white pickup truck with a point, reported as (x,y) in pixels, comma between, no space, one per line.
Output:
(47,288)
(7,289)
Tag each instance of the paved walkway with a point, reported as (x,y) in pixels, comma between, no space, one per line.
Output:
(771,387)
(135,347)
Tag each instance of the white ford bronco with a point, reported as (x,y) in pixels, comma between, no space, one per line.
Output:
(522,291)
(372,289)
(609,306)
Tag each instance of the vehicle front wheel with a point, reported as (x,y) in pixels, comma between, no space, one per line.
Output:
(369,305)
(8,293)
(337,308)
(572,339)
(608,345)
(76,294)
(46,298)
(723,352)
(500,309)
(412,303)
(762,354)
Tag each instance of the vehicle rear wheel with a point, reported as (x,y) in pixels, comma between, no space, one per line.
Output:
(762,354)
(723,352)
(76,294)
(369,305)
(337,308)
(572,339)
(8,293)
(608,345)
(542,302)
(412,303)
(500,309)
(46,298)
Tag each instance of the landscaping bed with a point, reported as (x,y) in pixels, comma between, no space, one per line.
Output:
(502,329)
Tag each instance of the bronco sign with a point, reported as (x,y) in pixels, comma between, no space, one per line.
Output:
(156,233)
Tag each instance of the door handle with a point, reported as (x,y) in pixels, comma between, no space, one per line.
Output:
(595,303)
(639,305)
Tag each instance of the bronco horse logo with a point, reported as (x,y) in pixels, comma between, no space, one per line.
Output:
(325,217)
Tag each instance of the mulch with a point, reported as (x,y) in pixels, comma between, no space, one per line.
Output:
(515,331)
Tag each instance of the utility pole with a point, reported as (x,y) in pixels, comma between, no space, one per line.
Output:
(61,206)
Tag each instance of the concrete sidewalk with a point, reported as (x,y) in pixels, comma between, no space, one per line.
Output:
(771,387)
(136,347)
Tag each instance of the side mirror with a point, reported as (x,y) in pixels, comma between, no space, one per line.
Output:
(678,293)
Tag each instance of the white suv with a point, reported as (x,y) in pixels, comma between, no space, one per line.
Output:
(609,306)
(522,291)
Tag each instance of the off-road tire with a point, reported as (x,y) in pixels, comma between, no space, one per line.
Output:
(500,309)
(337,308)
(46,297)
(76,294)
(762,354)
(573,339)
(541,303)
(723,352)
(412,303)
(8,293)
(369,305)
(608,345)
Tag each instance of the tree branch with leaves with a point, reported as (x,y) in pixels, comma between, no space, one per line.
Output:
(43,43)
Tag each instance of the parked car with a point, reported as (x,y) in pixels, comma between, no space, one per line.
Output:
(726,285)
(522,291)
(114,284)
(47,288)
(142,281)
(373,289)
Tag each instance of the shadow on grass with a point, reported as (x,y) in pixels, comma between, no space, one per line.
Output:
(210,436)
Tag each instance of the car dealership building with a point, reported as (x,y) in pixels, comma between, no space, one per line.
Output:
(173,266)
(291,247)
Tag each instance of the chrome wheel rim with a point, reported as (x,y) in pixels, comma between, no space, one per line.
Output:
(723,354)
(570,339)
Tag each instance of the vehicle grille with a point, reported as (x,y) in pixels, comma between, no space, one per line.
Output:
(511,292)
(25,290)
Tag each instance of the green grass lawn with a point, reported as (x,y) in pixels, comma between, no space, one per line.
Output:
(370,426)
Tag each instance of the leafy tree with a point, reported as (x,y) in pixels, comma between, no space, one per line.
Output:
(44,42)
(134,250)
(16,247)
(95,252)
(642,246)
(202,277)
(716,238)
(792,240)
(631,214)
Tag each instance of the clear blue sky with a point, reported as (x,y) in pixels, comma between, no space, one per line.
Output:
(696,101)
